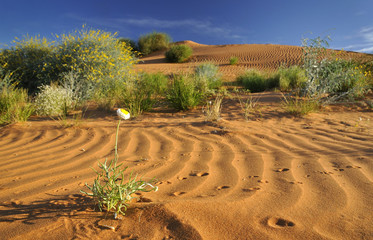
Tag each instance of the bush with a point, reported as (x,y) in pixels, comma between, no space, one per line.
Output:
(129,42)
(27,61)
(254,81)
(179,53)
(96,57)
(207,77)
(233,60)
(14,103)
(330,80)
(152,42)
(183,93)
(53,100)
(291,78)
(142,94)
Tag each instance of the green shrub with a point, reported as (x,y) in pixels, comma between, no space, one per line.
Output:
(330,79)
(97,57)
(152,42)
(27,61)
(15,105)
(207,77)
(183,93)
(292,77)
(142,94)
(254,81)
(53,100)
(233,60)
(179,53)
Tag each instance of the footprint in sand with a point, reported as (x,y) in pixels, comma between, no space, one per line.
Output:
(282,170)
(200,174)
(352,167)
(279,222)
(181,178)
(177,193)
(222,187)
(251,189)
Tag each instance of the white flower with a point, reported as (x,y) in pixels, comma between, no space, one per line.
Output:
(123,114)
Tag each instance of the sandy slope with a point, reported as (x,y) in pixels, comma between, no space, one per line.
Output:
(273,177)
(266,57)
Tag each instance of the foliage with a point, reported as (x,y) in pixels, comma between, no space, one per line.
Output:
(213,108)
(291,77)
(179,53)
(53,100)
(152,42)
(26,61)
(129,42)
(250,106)
(183,93)
(110,190)
(300,106)
(254,81)
(96,57)
(207,76)
(140,95)
(328,79)
(233,60)
(15,105)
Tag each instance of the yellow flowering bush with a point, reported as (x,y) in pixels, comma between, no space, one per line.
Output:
(97,57)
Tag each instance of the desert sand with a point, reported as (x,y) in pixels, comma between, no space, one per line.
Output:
(273,177)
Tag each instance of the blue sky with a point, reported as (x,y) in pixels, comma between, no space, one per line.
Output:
(348,22)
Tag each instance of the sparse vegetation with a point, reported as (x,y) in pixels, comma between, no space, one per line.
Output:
(300,106)
(15,105)
(233,60)
(208,77)
(142,94)
(110,190)
(183,93)
(212,110)
(291,78)
(179,53)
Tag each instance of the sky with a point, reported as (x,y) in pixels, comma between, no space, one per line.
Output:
(349,23)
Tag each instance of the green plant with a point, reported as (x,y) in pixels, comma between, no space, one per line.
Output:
(26,61)
(110,190)
(183,93)
(300,106)
(142,94)
(233,60)
(152,42)
(96,57)
(53,100)
(330,80)
(208,77)
(292,77)
(254,81)
(249,106)
(179,53)
(15,105)
(213,108)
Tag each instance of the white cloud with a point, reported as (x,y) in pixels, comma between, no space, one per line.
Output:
(363,39)
(194,25)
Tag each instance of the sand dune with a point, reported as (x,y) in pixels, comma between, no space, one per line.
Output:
(265,57)
(273,177)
